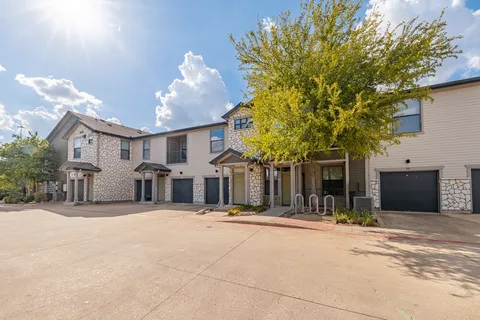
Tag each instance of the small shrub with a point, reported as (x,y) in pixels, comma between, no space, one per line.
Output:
(12,199)
(28,198)
(49,196)
(40,196)
(233,211)
(368,220)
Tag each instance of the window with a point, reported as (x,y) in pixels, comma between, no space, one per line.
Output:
(243,123)
(177,149)
(408,118)
(332,180)
(77,148)
(90,138)
(267,181)
(125,150)
(146,149)
(216,140)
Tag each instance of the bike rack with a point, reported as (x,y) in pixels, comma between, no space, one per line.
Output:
(302,202)
(325,204)
(310,203)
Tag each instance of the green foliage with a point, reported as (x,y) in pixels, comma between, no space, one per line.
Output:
(12,199)
(246,208)
(25,161)
(28,199)
(326,78)
(363,218)
(233,211)
(40,197)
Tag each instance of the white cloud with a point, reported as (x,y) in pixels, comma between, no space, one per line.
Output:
(6,121)
(460,20)
(114,120)
(60,91)
(2,68)
(200,97)
(146,129)
(268,24)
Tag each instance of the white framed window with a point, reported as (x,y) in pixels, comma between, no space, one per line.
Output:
(409,118)
(217,140)
(146,149)
(125,150)
(77,147)
(242,123)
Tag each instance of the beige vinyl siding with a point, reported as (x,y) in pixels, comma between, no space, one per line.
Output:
(450,135)
(198,154)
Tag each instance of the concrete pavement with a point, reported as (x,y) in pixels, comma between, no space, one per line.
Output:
(162,262)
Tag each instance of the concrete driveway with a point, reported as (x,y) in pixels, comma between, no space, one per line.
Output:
(164,262)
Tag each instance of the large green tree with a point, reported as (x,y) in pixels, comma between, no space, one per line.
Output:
(328,78)
(25,161)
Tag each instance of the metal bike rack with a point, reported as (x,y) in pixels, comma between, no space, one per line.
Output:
(302,203)
(310,203)
(325,204)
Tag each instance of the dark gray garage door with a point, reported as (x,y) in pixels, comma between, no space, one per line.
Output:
(476,190)
(409,191)
(212,188)
(182,190)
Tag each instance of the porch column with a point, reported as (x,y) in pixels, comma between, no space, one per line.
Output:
(220,191)
(154,186)
(347,181)
(75,194)
(230,194)
(280,194)
(272,186)
(292,185)
(69,188)
(86,181)
(142,199)
(247,193)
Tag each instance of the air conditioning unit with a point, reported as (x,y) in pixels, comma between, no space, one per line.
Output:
(363,204)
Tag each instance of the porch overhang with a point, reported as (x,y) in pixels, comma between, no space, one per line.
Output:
(231,156)
(152,167)
(79,166)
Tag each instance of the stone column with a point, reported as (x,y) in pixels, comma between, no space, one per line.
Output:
(154,186)
(347,181)
(292,185)
(86,181)
(220,191)
(75,194)
(69,188)
(230,188)
(142,199)
(272,186)
(247,192)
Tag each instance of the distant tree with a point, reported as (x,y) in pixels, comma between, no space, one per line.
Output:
(327,78)
(26,161)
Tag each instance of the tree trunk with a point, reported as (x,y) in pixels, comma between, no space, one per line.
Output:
(313,183)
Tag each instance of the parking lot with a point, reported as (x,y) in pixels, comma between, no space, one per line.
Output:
(128,261)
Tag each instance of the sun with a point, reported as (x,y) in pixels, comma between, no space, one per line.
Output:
(84,18)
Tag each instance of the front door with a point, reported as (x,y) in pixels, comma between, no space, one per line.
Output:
(148,190)
(161,189)
(286,197)
(239,188)
(80,190)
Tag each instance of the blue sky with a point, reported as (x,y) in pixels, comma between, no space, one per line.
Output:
(120,59)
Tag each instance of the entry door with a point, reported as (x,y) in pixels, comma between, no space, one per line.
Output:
(409,191)
(476,190)
(286,197)
(148,190)
(239,188)
(212,188)
(80,190)
(161,189)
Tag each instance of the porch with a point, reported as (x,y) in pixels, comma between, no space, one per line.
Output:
(79,186)
(151,188)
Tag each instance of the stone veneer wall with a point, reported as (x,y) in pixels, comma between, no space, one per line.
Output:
(256,185)
(230,188)
(235,137)
(456,194)
(115,181)
(375,193)
(198,193)
(168,189)
(88,151)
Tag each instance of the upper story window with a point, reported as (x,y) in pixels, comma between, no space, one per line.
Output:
(90,138)
(216,140)
(146,149)
(77,147)
(243,123)
(125,150)
(177,149)
(409,117)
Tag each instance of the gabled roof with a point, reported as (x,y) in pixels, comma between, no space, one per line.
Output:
(234,109)
(74,165)
(100,125)
(203,126)
(454,83)
(231,153)
(151,166)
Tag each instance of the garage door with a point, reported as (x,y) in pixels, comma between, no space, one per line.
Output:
(212,186)
(409,191)
(476,190)
(182,190)
(148,190)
